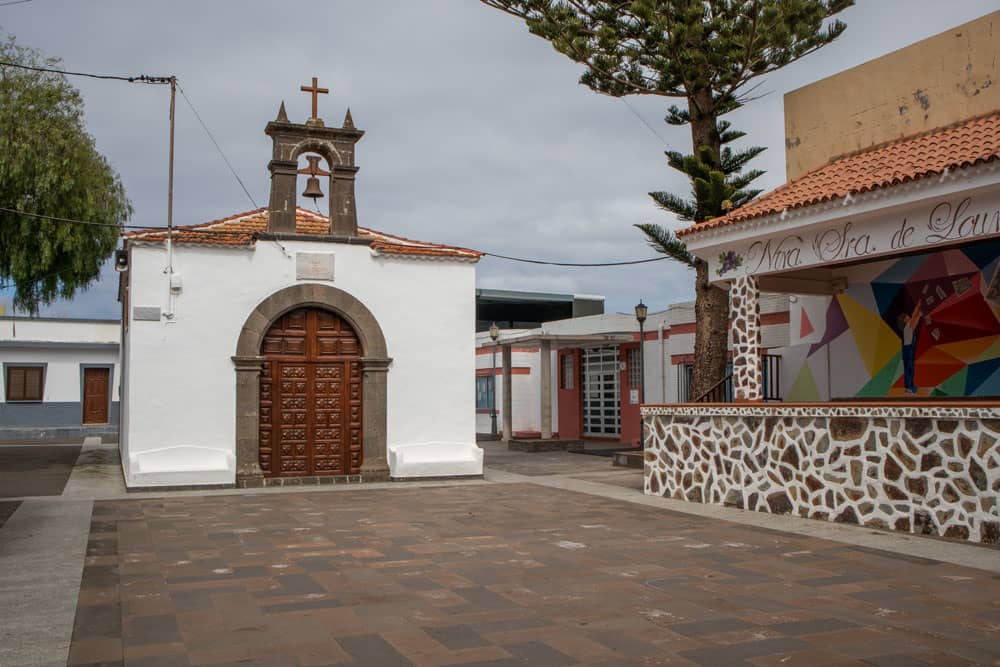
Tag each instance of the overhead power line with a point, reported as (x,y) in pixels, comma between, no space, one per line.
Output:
(139,78)
(648,126)
(202,230)
(579,264)
(142,78)
(14,2)
(217,146)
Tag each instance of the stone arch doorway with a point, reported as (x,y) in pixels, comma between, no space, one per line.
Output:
(250,362)
(310,396)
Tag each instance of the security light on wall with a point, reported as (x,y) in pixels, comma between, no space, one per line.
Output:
(121,260)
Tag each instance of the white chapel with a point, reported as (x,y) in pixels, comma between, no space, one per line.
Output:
(282,346)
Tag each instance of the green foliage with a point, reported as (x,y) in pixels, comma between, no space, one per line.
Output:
(707,52)
(678,48)
(50,166)
(718,182)
(665,242)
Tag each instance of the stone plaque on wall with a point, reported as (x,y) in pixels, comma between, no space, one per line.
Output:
(146,313)
(314,266)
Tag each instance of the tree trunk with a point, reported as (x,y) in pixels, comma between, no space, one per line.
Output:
(711,334)
(711,305)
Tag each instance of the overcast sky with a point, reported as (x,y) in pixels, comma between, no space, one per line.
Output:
(477,133)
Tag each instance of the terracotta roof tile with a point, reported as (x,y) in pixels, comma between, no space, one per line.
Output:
(963,144)
(241,229)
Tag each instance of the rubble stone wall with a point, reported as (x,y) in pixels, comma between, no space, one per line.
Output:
(932,470)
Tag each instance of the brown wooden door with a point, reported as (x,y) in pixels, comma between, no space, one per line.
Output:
(96,395)
(310,396)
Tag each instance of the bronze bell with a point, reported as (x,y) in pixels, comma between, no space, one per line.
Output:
(312,188)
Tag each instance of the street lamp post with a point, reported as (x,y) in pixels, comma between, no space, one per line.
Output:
(494,334)
(640,315)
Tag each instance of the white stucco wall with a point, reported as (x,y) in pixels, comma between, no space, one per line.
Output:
(180,375)
(63,374)
(64,347)
(526,389)
(53,330)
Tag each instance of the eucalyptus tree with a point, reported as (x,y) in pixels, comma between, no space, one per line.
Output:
(50,169)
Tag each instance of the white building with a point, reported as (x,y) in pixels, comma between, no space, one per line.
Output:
(59,378)
(284,346)
(594,383)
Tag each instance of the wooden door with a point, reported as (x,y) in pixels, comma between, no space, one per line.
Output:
(96,395)
(310,396)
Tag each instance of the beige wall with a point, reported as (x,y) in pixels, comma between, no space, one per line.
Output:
(936,82)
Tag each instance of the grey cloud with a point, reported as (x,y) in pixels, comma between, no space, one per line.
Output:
(477,132)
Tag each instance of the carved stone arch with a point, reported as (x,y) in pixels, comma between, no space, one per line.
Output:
(249,362)
(327,149)
(336,145)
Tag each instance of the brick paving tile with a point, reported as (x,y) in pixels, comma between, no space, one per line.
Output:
(502,575)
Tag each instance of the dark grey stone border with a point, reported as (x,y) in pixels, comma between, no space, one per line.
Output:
(374,362)
(439,478)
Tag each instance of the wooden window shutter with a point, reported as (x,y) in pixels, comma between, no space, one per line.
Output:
(24,383)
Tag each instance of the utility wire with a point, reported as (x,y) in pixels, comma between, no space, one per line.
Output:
(78,222)
(140,78)
(637,115)
(217,146)
(202,230)
(539,261)
(14,2)
(45,277)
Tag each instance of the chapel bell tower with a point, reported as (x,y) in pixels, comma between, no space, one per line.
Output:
(333,144)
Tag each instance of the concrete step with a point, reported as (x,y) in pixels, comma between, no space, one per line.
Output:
(540,445)
(627,459)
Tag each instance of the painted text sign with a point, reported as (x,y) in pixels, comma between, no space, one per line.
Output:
(942,222)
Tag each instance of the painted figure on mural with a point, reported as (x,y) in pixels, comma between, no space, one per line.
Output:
(909,326)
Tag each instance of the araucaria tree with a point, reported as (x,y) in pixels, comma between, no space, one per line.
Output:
(708,54)
(50,167)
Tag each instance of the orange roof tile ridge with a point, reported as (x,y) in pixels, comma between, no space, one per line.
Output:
(759,207)
(904,139)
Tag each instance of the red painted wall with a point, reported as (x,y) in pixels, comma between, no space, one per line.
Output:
(570,416)
(629,411)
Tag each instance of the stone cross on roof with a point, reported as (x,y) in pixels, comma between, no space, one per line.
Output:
(316,91)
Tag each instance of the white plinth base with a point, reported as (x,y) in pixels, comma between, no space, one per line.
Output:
(181,466)
(435,459)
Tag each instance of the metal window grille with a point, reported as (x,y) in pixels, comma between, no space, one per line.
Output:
(567,371)
(601,413)
(634,369)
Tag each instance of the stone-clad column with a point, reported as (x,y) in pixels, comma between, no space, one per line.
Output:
(374,399)
(744,304)
(281,207)
(545,371)
(248,472)
(508,396)
(343,209)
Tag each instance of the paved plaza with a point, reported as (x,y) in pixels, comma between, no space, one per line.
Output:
(554,559)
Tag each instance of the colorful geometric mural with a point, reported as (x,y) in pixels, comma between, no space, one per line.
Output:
(946,305)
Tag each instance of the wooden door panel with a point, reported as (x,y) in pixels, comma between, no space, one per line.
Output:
(327,432)
(353,402)
(266,420)
(292,423)
(96,395)
(310,396)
